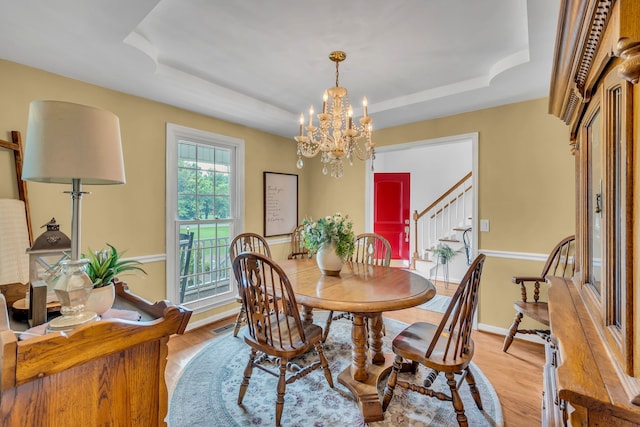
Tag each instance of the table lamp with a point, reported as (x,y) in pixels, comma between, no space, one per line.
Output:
(72,144)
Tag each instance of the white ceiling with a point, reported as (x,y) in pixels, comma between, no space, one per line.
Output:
(262,63)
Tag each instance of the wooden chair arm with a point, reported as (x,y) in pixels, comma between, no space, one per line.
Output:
(523,280)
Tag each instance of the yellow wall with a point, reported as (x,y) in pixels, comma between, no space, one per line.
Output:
(525,188)
(130,216)
(526,182)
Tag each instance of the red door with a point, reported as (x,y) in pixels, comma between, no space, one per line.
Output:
(391,211)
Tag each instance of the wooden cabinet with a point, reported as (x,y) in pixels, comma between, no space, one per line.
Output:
(593,375)
(107,373)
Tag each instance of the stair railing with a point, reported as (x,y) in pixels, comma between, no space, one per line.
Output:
(448,211)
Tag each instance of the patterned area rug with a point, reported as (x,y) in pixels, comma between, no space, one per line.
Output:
(439,304)
(207,391)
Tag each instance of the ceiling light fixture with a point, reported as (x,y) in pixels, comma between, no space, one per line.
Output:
(336,137)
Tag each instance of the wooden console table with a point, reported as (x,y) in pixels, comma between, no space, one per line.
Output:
(110,372)
(581,384)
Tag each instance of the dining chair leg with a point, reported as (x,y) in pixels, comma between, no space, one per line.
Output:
(282,385)
(239,321)
(325,333)
(512,332)
(474,390)
(248,370)
(324,363)
(391,383)
(458,406)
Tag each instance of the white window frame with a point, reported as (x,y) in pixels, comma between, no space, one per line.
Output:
(175,133)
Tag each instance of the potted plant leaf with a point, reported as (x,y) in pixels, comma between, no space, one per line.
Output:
(103,268)
(443,252)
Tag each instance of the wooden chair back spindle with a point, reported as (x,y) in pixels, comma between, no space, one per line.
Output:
(248,242)
(372,249)
(297,251)
(457,320)
(273,322)
(560,262)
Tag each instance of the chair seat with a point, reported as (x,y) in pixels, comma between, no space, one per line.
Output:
(413,342)
(538,311)
(293,346)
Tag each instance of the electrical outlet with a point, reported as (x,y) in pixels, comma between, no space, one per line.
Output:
(484,225)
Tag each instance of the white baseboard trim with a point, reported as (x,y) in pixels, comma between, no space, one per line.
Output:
(211,319)
(503,331)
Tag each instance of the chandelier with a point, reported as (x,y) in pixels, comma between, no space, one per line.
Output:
(336,137)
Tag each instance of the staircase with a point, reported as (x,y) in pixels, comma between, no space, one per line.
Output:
(447,220)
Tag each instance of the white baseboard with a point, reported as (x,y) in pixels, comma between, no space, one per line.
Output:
(211,319)
(504,332)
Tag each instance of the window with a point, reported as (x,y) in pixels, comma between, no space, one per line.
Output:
(205,184)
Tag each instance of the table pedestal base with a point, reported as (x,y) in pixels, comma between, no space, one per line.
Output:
(366,392)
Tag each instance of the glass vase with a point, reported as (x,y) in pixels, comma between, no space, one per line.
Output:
(72,288)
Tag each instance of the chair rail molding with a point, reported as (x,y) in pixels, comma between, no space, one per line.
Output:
(525,256)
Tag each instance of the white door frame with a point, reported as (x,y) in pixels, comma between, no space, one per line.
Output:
(368,216)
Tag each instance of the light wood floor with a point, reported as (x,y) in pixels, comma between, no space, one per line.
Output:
(516,376)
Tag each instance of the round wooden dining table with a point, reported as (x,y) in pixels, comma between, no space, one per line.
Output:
(366,291)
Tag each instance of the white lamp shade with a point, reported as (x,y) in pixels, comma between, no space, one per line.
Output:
(67,141)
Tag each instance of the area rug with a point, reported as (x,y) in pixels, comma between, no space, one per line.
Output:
(207,391)
(439,304)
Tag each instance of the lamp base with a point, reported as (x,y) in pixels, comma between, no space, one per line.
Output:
(67,323)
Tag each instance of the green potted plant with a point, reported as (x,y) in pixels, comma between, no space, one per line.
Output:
(103,268)
(332,238)
(443,252)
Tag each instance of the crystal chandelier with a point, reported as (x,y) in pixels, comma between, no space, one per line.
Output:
(337,137)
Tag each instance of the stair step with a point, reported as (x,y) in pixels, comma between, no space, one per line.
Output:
(449,240)
(462,228)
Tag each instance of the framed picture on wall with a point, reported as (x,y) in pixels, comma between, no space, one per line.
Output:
(280,203)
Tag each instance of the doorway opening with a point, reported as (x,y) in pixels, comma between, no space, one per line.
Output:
(433,165)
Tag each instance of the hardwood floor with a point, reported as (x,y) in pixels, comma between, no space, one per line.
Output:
(516,376)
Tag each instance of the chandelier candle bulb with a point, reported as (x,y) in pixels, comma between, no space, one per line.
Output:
(364,106)
(301,123)
(325,97)
(311,116)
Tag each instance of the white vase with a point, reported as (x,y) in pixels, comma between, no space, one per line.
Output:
(328,260)
(101,299)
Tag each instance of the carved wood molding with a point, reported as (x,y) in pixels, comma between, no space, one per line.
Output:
(629,50)
(580,93)
(569,90)
(591,45)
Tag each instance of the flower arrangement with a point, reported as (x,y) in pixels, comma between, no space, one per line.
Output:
(335,229)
